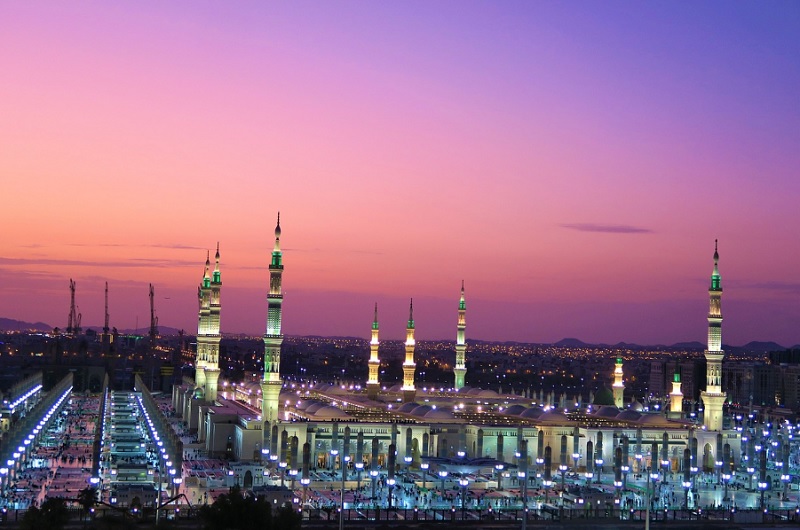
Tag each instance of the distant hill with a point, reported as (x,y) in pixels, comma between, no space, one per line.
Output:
(9,324)
(693,345)
(761,346)
(570,343)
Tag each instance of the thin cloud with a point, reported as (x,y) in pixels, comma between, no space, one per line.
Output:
(607,229)
(174,246)
(133,263)
(786,287)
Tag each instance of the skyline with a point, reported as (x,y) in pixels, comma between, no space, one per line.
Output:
(572,165)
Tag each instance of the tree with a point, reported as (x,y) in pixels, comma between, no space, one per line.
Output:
(235,511)
(53,515)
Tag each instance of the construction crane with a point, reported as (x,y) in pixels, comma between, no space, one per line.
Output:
(106,336)
(74,321)
(153,319)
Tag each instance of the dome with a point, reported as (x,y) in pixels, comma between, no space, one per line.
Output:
(331,413)
(487,394)
(305,404)
(314,407)
(396,388)
(636,406)
(406,408)
(608,411)
(515,410)
(421,410)
(652,419)
(554,416)
(439,414)
(532,413)
(604,396)
(628,415)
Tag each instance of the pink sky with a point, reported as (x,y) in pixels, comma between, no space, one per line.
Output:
(572,163)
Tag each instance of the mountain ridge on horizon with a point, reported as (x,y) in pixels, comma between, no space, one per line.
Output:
(10,324)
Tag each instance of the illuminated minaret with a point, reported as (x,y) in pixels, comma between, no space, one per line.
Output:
(203,326)
(617,387)
(460,369)
(676,396)
(271,384)
(374,363)
(713,397)
(409,366)
(212,353)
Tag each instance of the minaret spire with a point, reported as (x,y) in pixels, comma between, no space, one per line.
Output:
(271,384)
(713,397)
(460,369)
(409,366)
(676,396)
(618,387)
(213,337)
(373,385)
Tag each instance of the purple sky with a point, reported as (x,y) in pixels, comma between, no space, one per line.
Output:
(572,162)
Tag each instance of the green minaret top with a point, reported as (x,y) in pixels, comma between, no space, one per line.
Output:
(619,360)
(411,315)
(715,278)
(217,274)
(206,277)
(375,321)
(277,261)
(462,305)
(677,377)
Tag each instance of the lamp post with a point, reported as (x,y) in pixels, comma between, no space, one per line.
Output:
(424,467)
(346,459)
(464,482)
(373,474)
(523,474)
(539,466)
(726,478)
(443,475)
(598,465)
(499,470)
(282,465)
(650,493)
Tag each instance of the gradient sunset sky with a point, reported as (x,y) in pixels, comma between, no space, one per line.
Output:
(573,162)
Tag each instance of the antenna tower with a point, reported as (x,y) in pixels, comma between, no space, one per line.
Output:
(153,319)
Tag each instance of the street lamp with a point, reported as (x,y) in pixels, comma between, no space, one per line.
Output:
(598,464)
(499,468)
(762,486)
(346,459)
(726,478)
(443,475)
(547,485)
(650,493)
(359,468)
(373,474)
(464,482)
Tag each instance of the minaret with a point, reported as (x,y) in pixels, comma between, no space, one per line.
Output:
(373,385)
(460,369)
(618,388)
(676,396)
(409,366)
(713,397)
(212,352)
(203,326)
(271,384)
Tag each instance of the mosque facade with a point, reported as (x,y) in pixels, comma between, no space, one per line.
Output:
(276,423)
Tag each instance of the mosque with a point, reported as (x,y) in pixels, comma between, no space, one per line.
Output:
(325,426)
